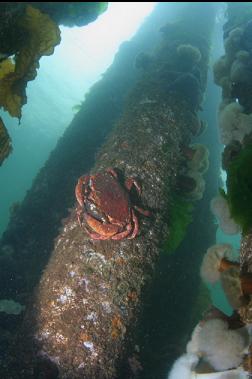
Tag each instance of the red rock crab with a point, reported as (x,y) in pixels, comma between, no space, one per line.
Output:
(105,206)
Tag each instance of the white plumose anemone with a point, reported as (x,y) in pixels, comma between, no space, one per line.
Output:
(211,264)
(183,366)
(218,345)
(220,209)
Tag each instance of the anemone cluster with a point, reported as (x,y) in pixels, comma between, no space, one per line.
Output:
(233,72)
(221,345)
(196,164)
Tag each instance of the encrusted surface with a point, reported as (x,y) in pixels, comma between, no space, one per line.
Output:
(246,253)
(88,299)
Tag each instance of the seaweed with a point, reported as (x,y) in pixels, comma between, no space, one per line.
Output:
(239,188)
(5,142)
(42,36)
(181,215)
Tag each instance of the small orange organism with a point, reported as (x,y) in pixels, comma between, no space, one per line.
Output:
(117,327)
(132,296)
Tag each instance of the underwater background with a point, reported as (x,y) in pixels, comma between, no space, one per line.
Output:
(120,125)
(65,77)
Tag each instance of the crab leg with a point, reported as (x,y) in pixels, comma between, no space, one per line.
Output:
(79,214)
(142,211)
(112,172)
(82,181)
(136,225)
(129,184)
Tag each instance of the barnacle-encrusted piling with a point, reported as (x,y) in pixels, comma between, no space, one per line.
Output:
(84,317)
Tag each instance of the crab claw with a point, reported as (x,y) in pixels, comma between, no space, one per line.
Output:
(104,231)
(124,234)
(79,211)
